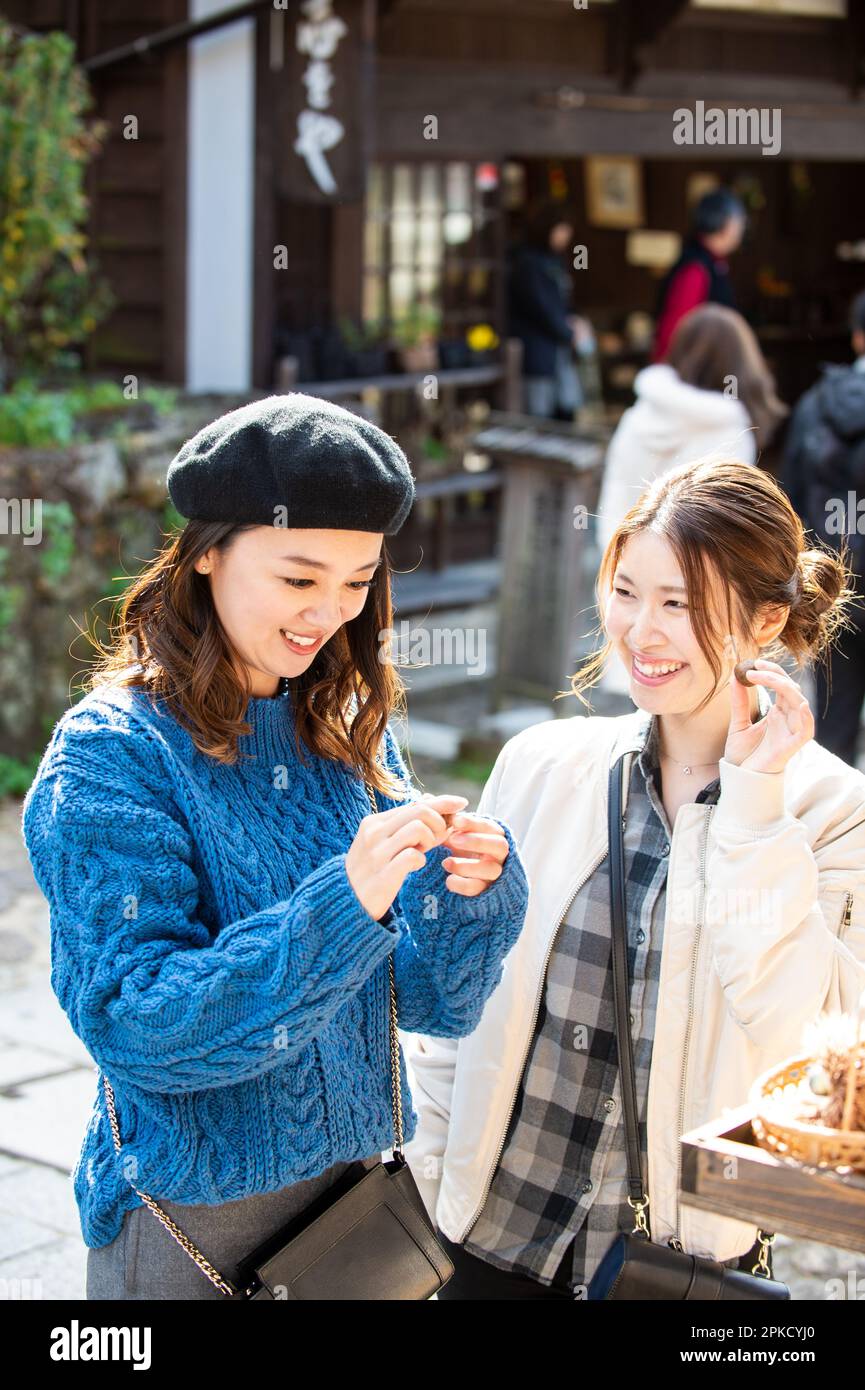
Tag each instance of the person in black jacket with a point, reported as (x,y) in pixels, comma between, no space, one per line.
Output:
(824,477)
(539,289)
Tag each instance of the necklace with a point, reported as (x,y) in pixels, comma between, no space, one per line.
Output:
(688,767)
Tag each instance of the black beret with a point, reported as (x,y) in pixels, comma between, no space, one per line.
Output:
(326,466)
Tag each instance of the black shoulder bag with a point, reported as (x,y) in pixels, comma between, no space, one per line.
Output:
(635,1267)
(366,1238)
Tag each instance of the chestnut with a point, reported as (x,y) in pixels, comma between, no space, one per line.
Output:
(741,668)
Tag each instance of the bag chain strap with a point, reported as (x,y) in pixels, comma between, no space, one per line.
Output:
(224,1285)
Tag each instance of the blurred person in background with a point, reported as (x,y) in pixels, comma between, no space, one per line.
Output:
(539,293)
(701,274)
(824,477)
(713,394)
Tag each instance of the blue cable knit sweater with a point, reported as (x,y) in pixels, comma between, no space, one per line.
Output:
(213,957)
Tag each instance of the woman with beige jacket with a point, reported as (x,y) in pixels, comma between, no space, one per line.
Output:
(745,891)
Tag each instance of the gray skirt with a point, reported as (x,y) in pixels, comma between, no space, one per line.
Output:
(144,1262)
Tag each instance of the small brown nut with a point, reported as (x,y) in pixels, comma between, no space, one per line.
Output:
(740,669)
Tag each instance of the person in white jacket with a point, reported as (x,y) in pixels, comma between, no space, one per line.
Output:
(745,901)
(713,395)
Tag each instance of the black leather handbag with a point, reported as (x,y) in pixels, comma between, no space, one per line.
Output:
(368,1237)
(635,1267)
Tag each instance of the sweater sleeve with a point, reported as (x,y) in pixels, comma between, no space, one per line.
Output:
(450,959)
(159,1001)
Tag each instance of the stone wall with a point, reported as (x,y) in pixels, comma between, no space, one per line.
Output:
(76,525)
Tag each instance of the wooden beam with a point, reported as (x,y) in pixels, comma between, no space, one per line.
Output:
(485,119)
(854,46)
(634,26)
(650,21)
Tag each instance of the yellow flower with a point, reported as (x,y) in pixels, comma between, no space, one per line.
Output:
(481,337)
(9,284)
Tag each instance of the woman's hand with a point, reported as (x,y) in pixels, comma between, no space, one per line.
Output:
(391,844)
(768,745)
(484,848)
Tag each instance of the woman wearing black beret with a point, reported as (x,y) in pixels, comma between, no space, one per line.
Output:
(228,913)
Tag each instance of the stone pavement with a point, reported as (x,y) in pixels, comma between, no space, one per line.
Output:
(48,1084)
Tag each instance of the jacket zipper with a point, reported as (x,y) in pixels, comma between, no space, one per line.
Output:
(678,1235)
(847,915)
(489,1178)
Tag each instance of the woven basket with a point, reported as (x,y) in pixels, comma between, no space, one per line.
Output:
(799,1140)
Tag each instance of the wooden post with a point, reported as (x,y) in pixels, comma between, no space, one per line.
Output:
(511,387)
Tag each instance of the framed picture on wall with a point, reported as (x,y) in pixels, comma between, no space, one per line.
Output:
(614,191)
(697,185)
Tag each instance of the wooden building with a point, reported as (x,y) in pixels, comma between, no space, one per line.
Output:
(298,163)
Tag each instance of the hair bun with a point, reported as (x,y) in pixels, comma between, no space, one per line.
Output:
(817,610)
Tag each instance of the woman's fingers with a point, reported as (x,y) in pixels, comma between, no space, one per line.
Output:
(396,842)
(415,832)
(768,744)
(389,845)
(786,690)
(433,812)
(489,869)
(790,722)
(496,846)
(469,875)
(778,681)
(740,707)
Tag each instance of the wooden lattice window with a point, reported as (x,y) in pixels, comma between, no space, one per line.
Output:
(433,236)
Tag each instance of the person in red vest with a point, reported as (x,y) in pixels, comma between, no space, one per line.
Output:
(701,273)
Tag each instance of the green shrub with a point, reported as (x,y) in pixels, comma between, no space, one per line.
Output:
(17,774)
(50,296)
(50,419)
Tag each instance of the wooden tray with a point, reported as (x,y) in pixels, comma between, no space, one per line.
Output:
(775,1194)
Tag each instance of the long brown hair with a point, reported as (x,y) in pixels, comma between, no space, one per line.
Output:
(713,344)
(167,638)
(733,518)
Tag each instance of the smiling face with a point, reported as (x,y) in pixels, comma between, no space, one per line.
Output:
(647,620)
(273,587)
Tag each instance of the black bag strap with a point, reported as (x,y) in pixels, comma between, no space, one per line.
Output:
(621,986)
